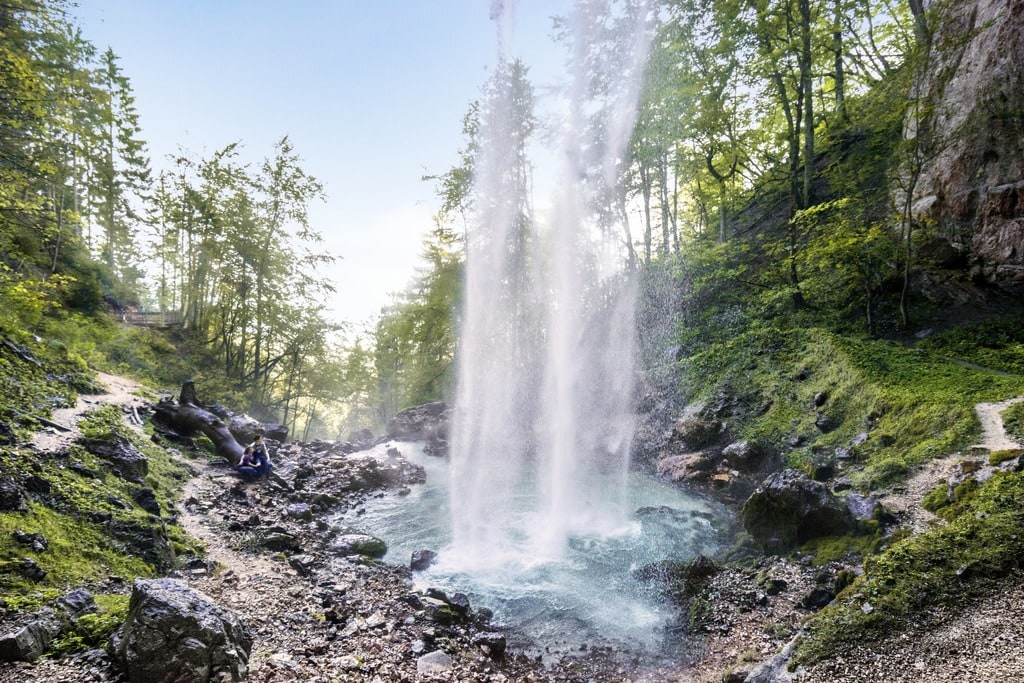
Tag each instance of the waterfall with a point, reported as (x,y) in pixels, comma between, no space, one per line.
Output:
(542,423)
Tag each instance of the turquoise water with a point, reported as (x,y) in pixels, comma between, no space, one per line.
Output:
(585,596)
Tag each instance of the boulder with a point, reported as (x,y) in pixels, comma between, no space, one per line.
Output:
(11,496)
(687,466)
(175,633)
(744,456)
(788,509)
(146,498)
(30,639)
(697,428)
(125,459)
(433,663)
(422,559)
(421,423)
(354,543)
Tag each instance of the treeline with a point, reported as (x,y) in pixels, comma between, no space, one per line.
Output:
(763,182)
(86,226)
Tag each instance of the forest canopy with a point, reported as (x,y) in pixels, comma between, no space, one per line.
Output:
(758,185)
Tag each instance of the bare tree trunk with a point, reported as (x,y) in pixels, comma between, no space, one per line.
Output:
(189,416)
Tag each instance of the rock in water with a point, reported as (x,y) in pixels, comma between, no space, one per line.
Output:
(175,633)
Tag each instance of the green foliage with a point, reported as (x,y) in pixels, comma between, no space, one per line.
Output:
(997,457)
(996,343)
(415,339)
(1013,422)
(944,565)
(94,630)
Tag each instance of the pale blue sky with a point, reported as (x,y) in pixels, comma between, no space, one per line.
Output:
(371,92)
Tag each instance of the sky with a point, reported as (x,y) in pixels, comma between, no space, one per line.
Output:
(371,93)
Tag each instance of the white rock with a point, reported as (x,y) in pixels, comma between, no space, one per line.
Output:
(433,662)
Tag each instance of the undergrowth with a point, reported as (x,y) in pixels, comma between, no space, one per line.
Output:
(890,406)
(982,543)
(93,529)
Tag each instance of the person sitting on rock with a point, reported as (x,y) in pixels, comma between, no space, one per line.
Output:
(248,466)
(262,457)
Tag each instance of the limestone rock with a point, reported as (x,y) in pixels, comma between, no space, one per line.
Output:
(174,633)
(972,183)
(789,509)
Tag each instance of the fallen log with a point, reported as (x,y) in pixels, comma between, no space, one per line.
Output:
(187,415)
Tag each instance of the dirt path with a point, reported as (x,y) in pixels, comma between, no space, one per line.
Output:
(993,433)
(905,500)
(121,391)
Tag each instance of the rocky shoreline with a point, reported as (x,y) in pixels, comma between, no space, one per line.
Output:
(319,606)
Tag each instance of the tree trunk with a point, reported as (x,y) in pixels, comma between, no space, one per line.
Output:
(189,416)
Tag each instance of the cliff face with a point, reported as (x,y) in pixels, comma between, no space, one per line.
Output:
(972,183)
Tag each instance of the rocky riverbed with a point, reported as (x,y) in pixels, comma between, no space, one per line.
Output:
(318,606)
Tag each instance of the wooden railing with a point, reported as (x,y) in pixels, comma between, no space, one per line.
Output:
(157,319)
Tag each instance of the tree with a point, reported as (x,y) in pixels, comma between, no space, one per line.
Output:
(120,169)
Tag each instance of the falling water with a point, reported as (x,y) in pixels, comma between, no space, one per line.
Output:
(543,424)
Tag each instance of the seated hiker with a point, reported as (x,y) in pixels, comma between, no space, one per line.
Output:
(262,457)
(248,466)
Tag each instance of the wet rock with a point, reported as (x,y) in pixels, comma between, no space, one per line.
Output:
(687,466)
(789,509)
(174,633)
(361,438)
(744,456)
(422,559)
(697,428)
(125,459)
(358,544)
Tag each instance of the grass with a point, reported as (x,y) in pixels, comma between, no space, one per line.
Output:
(982,544)
(913,403)
(1013,422)
(87,515)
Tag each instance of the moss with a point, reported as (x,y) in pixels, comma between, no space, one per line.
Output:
(1013,421)
(93,630)
(941,566)
(937,498)
(997,457)
(913,403)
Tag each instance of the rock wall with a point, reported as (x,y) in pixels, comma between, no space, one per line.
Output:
(972,183)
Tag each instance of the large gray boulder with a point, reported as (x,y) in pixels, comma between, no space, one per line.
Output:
(174,634)
(421,423)
(28,640)
(789,508)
